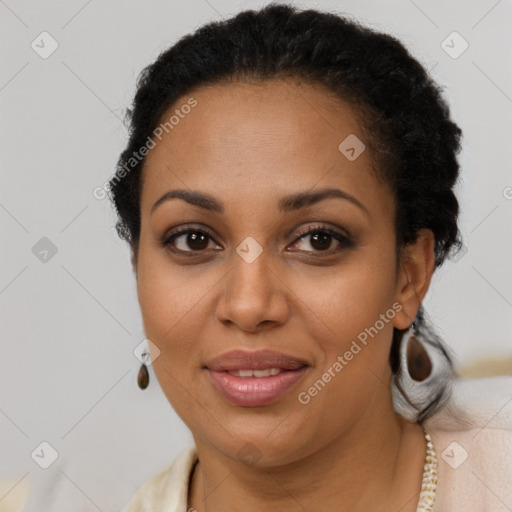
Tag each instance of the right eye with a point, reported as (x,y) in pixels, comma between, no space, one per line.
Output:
(187,240)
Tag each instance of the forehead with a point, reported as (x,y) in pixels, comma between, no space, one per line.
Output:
(270,138)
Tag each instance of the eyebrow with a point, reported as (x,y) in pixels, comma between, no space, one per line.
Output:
(286,204)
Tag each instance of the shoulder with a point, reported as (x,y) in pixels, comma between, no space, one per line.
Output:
(472,436)
(476,403)
(167,490)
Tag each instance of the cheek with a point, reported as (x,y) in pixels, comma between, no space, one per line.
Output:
(166,299)
(344,301)
(170,307)
(353,328)
(176,305)
(164,291)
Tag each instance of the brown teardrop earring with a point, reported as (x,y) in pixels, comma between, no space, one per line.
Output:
(419,364)
(143,377)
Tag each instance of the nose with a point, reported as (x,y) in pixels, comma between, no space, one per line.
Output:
(253,296)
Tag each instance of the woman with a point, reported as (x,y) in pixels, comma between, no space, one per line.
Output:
(287,193)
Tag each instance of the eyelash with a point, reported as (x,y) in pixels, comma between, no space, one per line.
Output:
(345,241)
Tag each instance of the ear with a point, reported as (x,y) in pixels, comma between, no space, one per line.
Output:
(417,264)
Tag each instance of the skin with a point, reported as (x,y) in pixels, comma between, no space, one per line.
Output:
(248,145)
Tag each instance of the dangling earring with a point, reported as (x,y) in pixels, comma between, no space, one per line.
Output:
(143,377)
(425,372)
(419,365)
(146,352)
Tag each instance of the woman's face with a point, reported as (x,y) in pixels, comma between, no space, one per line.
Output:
(246,278)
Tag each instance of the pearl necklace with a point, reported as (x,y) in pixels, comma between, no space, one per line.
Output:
(429,483)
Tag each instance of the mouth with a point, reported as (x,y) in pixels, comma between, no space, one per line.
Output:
(255,379)
(268,372)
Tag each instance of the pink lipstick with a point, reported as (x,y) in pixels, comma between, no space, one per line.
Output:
(255,379)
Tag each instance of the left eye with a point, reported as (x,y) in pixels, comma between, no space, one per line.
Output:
(322,238)
(196,239)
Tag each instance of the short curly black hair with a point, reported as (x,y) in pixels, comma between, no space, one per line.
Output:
(412,141)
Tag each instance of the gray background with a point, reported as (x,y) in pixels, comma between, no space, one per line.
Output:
(70,324)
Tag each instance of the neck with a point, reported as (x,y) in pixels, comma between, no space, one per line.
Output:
(377,464)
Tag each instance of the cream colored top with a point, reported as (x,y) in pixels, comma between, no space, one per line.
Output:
(472,436)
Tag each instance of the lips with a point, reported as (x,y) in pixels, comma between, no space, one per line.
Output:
(260,360)
(255,379)
(268,372)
